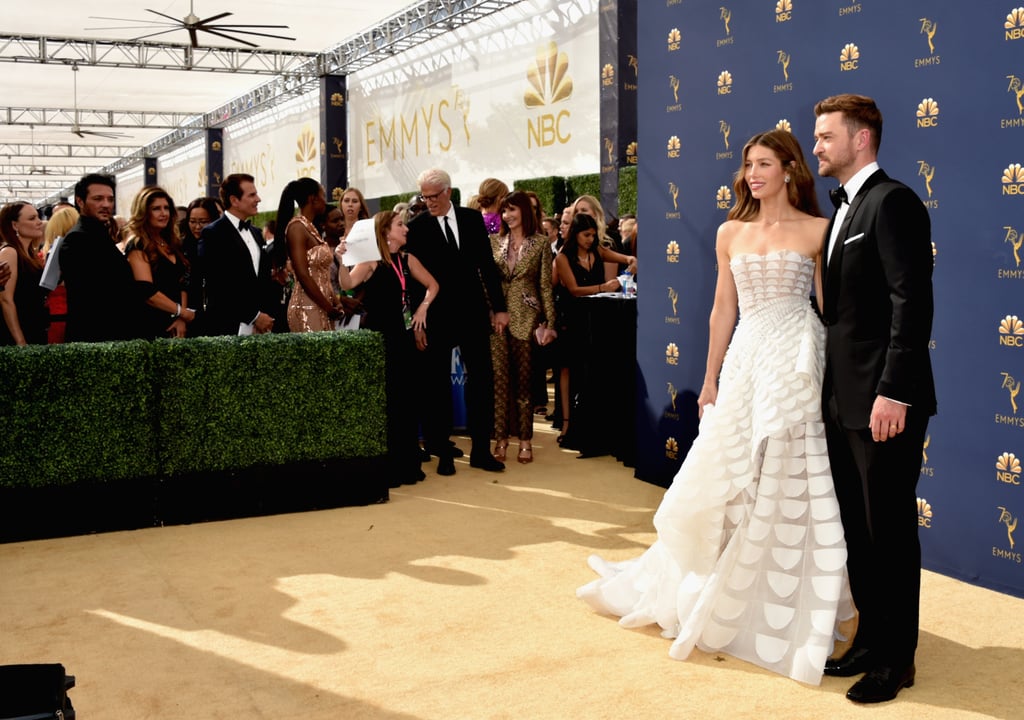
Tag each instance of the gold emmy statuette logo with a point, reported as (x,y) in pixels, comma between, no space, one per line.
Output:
(673,190)
(723,198)
(462,103)
(1008,469)
(672,251)
(607,75)
(783,124)
(724,82)
(609,148)
(673,39)
(671,448)
(928,173)
(634,63)
(673,82)
(215,146)
(338,143)
(1014,24)
(726,16)
(673,297)
(1013,179)
(1017,88)
(217,179)
(928,28)
(202,174)
(924,449)
(1010,522)
(849,58)
(631,153)
(673,147)
(725,129)
(1013,387)
(672,392)
(927,113)
(924,513)
(337,99)
(1016,240)
(548,77)
(783,10)
(306,143)
(1011,330)
(784,62)
(672,354)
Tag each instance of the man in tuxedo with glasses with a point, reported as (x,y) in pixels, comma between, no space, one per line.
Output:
(453,245)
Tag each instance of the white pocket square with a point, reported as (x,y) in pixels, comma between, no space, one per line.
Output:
(855,238)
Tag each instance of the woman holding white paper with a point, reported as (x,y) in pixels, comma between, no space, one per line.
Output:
(387,284)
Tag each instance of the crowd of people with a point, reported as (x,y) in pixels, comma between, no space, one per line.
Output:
(483,278)
(797,500)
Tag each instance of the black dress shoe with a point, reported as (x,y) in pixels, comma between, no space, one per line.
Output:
(486,462)
(881,684)
(413,477)
(424,456)
(445,466)
(854,662)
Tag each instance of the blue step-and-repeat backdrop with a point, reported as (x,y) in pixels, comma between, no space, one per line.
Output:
(949,79)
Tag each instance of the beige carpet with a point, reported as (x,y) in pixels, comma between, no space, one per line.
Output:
(454,600)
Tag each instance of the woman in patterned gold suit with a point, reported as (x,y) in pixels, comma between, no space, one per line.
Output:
(523,257)
(750,557)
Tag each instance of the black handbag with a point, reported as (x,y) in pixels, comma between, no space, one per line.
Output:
(35,692)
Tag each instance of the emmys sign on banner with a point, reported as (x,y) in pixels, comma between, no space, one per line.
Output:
(523,110)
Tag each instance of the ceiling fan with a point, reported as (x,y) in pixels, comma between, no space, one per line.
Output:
(32,169)
(194,25)
(76,128)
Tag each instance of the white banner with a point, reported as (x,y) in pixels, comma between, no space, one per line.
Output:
(511,100)
(275,148)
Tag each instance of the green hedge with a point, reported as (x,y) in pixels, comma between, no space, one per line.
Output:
(112,411)
(550,190)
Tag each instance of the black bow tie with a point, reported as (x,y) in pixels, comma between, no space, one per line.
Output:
(838,196)
(247,225)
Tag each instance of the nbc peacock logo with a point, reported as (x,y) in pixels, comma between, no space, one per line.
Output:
(784,124)
(337,99)
(1011,332)
(607,75)
(671,449)
(1008,469)
(927,113)
(673,39)
(724,82)
(305,146)
(548,77)
(924,513)
(723,198)
(673,147)
(783,10)
(1014,24)
(672,354)
(672,252)
(631,153)
(849,58)
(1013,179)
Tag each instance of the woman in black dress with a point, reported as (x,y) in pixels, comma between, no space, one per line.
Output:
(386,295)
(24,317)
(161,271)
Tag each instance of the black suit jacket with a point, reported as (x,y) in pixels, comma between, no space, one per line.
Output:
(102,301)
(878,303)
(235,293)
(470,284)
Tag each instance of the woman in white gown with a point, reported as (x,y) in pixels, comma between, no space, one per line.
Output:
(750,557)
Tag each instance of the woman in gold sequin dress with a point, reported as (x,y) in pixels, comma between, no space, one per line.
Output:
(313,305)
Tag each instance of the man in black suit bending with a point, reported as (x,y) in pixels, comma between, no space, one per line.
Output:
(879,391)
(239,290)
(453,245)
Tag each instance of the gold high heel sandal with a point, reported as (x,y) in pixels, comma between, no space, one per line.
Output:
(500,450)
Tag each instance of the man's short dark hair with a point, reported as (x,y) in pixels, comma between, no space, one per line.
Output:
(82,186)
(232,187)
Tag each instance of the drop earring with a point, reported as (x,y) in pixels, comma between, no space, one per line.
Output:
(787,178)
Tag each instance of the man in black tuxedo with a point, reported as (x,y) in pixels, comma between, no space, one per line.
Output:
(240,294)
(453,245)
(878,392)
(102,301)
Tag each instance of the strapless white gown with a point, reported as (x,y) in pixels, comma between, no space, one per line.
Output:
(750,558)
